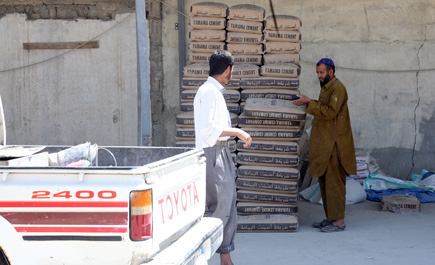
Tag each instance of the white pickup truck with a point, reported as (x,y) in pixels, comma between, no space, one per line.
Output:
(139,205)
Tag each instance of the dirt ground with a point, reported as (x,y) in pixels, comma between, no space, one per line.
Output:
(371,237)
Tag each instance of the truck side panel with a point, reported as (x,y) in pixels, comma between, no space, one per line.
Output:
(82,217)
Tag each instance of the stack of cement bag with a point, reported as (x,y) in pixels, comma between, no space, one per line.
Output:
(207,34)
(267,177)
(283,41)
(245,34)
(267,171)
(365,165)
(245,40)
(279,75)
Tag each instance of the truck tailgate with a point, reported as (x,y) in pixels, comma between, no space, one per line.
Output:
(194,247)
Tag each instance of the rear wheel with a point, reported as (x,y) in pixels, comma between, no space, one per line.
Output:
(3,259)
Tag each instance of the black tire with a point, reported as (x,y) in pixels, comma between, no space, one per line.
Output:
(3,259)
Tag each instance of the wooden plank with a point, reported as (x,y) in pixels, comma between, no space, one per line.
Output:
(61,45)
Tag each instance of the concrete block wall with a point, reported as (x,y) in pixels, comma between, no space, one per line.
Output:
(85,95)
(67,9)
(158,108)
(384,53)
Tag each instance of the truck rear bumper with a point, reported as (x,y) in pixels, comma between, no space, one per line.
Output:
(195,247)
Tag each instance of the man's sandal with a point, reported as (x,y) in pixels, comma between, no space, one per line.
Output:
(332,228)
(321,224)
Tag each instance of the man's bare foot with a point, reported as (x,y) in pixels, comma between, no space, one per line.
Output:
(226,259)
(339,222)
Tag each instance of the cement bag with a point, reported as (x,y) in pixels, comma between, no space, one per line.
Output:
(245,26)
(354,193)
(283,94)
(426,179)
(267,223)
(284,70)
(192,83)
(231,96)
(185,119)
(197,70)
(256,59)
(206,47)
(276,147)
(208,23)
(273,134)
(186,106)
(362,156)
(282,47)
(380,182)
(274,109)
(78,156)
(232,107)
(287,36)
(209,9)
(246,71)
(282,58)
(199,57)
(246,12)
(283,22)
(244,38)
(245,48)
(312,194)
(269,83)
(207,35)
(262,159)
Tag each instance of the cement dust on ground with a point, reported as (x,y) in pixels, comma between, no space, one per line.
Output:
(371,237)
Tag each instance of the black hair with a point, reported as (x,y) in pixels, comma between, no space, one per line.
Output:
(219,62)
(328,67)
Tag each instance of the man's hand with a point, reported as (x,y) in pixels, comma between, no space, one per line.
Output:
(245,137)
(302,100)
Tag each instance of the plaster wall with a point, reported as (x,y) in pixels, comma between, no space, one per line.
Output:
(384,53)
(72,96)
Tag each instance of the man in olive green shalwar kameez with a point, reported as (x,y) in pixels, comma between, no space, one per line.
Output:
(332,151)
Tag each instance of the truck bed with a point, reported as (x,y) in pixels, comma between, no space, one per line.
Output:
(85,213)
(122,157)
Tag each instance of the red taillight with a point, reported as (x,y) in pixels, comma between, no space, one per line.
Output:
(141,215)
